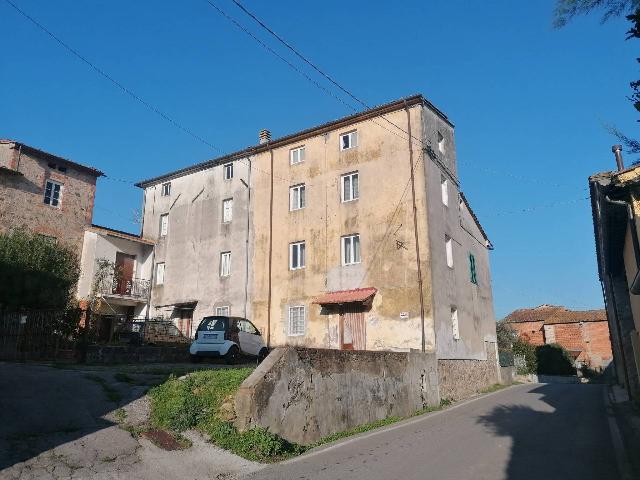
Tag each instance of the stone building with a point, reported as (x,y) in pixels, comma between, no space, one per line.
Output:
(45,193)
(350,235)
(585,334)
(615,202)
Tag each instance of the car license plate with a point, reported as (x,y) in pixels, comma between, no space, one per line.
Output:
(212,336)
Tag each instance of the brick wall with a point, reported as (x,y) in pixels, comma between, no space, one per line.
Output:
(22,198)
(532,332)
(590,338)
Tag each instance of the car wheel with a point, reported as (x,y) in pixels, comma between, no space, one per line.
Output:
(231,358)
(195,358)
(262,354)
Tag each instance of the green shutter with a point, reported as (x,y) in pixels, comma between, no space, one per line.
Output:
(472,269)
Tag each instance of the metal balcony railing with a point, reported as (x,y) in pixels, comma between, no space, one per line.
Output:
(132,287)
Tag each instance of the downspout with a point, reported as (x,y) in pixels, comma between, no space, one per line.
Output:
(19,158)
(270,250)
(246,273)
(624,358)
(415,227)
(631,218)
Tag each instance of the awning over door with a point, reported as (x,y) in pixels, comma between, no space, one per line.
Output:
(346,296)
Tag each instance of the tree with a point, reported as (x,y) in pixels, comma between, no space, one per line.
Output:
(36,272)
(506,335)
(568,9)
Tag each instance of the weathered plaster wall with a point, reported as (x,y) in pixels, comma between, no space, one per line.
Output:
(460,379)
(22,205)
(196,237)
(386,240)
(452,287)
(305,394)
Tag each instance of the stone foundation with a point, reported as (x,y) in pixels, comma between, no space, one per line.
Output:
(136,354)
(460,379)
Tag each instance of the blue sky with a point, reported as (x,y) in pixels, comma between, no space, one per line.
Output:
(529,103)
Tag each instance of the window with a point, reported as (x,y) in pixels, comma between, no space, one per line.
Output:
(441,143)
(349,140)
(228,171)
(53,193)
(444,186)
(165,189)
(227,210)
(350,187)
(164,224)
(296,321)
(296,155)
(223,311)
(160,273)
(454,323)
(296,255)
(350,249)
(449,247)
(472,269)
(247,327)
(225,264)
(297,197)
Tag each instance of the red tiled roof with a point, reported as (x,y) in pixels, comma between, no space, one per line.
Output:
(346,296)
(550,314)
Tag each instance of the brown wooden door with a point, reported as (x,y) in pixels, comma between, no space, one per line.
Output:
(124,268)
(353,333)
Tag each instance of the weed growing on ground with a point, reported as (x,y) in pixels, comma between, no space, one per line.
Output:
(111,393)
(121,415)
(493,388)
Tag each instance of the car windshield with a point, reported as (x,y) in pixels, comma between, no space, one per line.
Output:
(218,324)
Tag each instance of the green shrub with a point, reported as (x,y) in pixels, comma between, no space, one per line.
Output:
(553,359)
(36,272)
(524,349)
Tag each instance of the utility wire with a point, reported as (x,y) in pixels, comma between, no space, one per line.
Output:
(105,75)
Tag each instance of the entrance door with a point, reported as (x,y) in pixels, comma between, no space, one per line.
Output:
(186,322)
(124,267)
(353,334)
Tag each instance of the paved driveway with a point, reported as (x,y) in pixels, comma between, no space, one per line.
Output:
(62,424)
(526,432)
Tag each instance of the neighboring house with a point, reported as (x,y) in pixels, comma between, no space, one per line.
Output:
(116,269)
(615,201)
(45,193)
(346,235)
(585,334)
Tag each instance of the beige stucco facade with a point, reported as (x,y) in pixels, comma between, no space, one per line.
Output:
(396,218)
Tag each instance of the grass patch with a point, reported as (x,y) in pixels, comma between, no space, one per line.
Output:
(196,401)
(120,415)
(111,393)
(493,388)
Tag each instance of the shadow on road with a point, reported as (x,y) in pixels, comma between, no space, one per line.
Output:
(567,441)
(43,407)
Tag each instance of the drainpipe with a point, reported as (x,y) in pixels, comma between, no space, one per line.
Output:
(246,273)
(270,251)
(415,226)
(622,354)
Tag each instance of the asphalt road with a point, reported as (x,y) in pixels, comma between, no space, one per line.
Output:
(535,431)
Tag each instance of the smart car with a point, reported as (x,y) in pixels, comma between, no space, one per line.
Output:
(227,337)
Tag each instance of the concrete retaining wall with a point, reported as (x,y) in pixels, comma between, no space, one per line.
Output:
(132,354)
(460,379)
(306,394)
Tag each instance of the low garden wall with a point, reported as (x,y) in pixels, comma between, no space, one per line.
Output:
(111,354)
(306,394)
(460,379)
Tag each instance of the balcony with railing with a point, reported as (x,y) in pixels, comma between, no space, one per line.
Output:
(130,288)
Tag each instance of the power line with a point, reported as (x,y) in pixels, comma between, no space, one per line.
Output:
(105,75)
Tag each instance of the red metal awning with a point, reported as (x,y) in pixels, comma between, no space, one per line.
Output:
(346,296)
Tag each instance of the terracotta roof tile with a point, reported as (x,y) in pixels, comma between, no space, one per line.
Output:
(346,296)
(550,314)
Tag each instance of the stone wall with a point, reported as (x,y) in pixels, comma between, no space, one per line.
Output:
(306,394)
(461,379)
(131,354)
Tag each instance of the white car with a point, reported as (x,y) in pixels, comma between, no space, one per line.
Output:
(227,337)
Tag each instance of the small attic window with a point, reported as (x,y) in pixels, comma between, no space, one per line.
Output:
(62,169)
(52,165)
(441,146)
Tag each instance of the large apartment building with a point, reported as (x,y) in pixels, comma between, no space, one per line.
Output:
(45,193)
(353,235)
